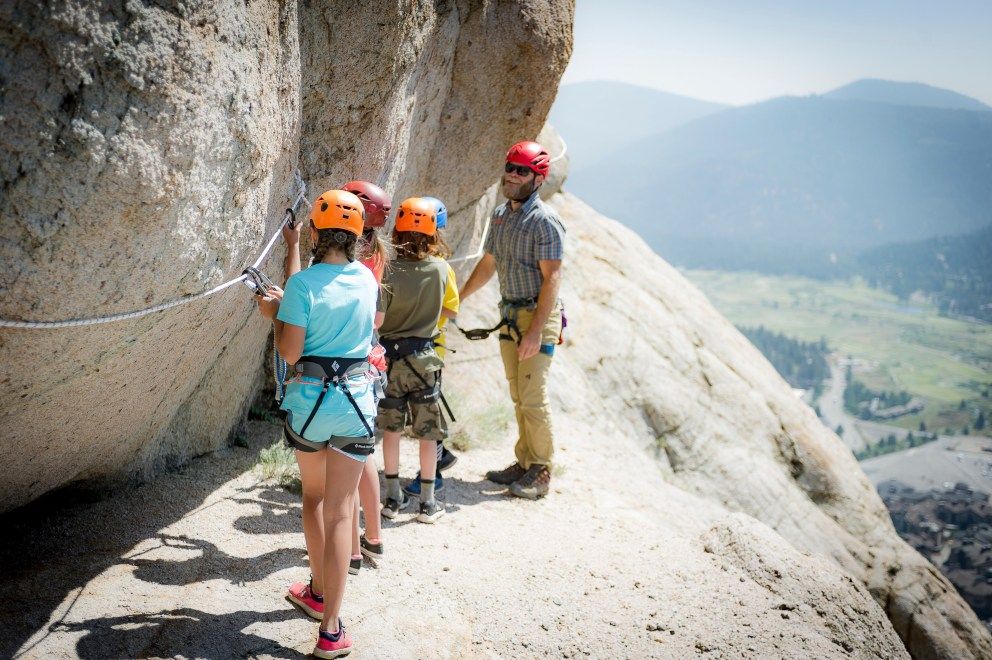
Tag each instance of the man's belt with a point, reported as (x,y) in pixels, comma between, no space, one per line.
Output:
(519,303)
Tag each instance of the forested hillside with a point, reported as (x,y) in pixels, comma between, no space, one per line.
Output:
(955,271)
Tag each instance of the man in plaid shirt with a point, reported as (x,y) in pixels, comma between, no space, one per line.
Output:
(524,247)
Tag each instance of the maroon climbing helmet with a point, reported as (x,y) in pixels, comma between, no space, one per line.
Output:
(375,200)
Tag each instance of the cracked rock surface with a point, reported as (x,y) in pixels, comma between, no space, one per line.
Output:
(149,151)
(727,427)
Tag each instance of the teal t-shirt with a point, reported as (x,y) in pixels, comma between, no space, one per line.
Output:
(336,304)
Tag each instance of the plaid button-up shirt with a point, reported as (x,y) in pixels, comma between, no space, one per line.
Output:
(518,240)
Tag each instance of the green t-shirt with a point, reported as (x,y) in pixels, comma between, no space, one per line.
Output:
(412,296)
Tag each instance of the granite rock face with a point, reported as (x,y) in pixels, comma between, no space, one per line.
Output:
(724,425)
(148,152)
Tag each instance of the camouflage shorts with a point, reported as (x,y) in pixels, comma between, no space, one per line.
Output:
(409,402)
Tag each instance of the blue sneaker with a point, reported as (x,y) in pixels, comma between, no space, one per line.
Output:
(446,459)
(413,488)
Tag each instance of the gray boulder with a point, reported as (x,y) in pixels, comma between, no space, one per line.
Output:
(148,154)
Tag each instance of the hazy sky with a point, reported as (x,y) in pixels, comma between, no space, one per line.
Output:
(739,51)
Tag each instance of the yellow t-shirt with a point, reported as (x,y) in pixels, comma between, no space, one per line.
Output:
(450,303)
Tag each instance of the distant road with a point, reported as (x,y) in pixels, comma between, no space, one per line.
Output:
(858,433)
(832,409)
(948,459)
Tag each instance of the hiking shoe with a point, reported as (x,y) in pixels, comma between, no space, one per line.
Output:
(354,565)
(413,488)
(430,511)
(445,460)
(506,476)
(299,594)
(391,508)
(330,645)
(371,550)
(533,484)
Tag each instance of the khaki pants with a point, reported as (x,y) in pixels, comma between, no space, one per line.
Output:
(528,381)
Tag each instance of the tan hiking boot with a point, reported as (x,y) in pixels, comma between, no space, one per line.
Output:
(506,476)
(534,484)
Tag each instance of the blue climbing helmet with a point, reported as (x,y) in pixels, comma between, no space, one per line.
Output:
(442,213)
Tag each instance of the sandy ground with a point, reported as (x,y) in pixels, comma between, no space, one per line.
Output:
(195,564)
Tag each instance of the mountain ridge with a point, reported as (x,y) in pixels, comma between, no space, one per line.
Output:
(905,93)
(597,116)
(837,174)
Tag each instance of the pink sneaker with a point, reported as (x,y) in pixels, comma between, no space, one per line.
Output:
(330,645)
(299,594)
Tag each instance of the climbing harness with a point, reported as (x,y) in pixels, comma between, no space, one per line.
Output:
(401,349)
(479,333)
(49,325)
(508,311)
(332,372)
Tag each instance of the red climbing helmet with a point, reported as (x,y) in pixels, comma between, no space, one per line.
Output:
(530,154)
(375,200)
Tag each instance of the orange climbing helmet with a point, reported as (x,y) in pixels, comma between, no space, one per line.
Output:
(338,209)
(375,200)
(530,154)
(417,214)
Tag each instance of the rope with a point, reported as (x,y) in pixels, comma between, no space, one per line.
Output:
(280,369)
(485,231)
(300,197)
(72,323)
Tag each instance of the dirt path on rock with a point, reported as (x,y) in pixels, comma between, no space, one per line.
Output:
(611,564)
(615,562)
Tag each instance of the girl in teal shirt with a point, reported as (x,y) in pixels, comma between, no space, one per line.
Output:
(324,326)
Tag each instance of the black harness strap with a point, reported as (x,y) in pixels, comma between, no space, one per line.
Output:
(318,367)
(320,399)
(398,347)
(436,386)
(401,349)
(354,404)
(440,393)
(511,327)
(508,309)
(481,333)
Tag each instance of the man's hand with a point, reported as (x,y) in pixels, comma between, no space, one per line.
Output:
(529,346)
(292,234)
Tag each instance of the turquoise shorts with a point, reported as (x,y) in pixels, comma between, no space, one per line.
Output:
(337,422)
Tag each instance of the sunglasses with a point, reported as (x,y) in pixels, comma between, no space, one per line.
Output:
(520,170)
